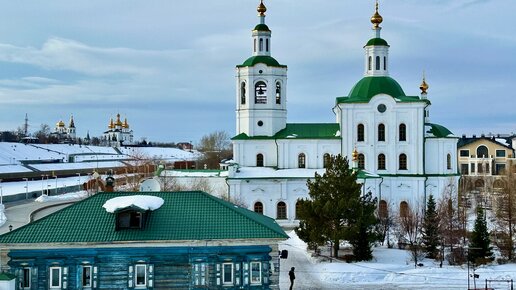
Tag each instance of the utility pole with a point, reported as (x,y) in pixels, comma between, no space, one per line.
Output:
(26,126)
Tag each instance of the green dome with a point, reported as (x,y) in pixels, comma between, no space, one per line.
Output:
(369,87)
(262,27)
(265,59)
(377,41)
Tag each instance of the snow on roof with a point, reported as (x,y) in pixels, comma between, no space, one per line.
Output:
(195,173)
(72,166)
(145,202)
(159,153)
(502,141)
(13,169)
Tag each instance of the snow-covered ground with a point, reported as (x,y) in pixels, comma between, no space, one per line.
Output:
(390,269)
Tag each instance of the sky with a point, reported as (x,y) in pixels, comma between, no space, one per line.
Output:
(169,66)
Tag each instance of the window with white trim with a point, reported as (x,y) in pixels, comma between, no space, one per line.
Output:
(260,93)
(86,276)
(25,278)
(55,275)
(256,273)
(227,273)
(140,275)
(199,271)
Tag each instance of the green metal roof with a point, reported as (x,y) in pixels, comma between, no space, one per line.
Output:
(438,130)
(377,41)
(183,216)
(6,276)
(368,87)
(262,27)
(300,131)
(265,59)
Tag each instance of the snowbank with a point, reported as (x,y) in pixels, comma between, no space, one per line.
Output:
(145,202)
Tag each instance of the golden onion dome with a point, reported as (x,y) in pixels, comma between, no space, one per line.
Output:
(118,122)
(261,9)
(60,124)
(424,86)
(125,125)
(355,154)
(111,124)
(376,19)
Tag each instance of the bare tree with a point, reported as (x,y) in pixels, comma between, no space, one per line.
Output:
(385,222)
(215,147)
(505,211)
(410,221)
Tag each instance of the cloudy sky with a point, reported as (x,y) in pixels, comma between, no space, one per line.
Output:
(169,66)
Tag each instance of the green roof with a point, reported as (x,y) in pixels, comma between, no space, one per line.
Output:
(183,216)
(438,130)
(300,131)
(368,87)
(262,27)
(377,41)
(265,59)
(6,276)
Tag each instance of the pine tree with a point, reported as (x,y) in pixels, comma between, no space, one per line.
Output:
(431,237)
(335,206)
(480,250)
(362,233)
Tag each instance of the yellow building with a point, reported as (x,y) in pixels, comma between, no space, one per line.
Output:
(484,156)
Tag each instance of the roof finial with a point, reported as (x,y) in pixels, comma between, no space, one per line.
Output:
(424,86)
(354,155)
(261,9)
(376,19)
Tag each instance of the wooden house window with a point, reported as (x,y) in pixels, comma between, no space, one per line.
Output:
(55,274)
(140,277)
(256,273)
(25,278)
(86,277)
(227,273)
(199,274)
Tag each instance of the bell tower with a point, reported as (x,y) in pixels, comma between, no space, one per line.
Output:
(261,94)
(376,50)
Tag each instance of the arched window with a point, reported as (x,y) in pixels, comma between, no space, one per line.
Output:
(258,207)
(369,63)
(360,132)
(384,63)
(301,160)
(361,161)
(482,152)
(498,184)
(281,211)
(381,162)
(404,209)
(326,160)
(260,93)
(298,206)
(255,45)
(261,44)
(242,93)
(381,132)
(259,160)
(266,44)
(278,93)
(377,63)
(403,132)
(382,209)
(448,161)
(403,162)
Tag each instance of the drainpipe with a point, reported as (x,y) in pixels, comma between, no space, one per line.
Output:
(277,153)
(380,192)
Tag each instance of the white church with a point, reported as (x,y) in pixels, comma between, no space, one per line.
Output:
(402,158)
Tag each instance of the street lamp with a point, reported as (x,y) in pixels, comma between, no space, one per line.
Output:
(26,188)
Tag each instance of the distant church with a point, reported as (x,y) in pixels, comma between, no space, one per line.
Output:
(118,133)
(65,134)
(401,156)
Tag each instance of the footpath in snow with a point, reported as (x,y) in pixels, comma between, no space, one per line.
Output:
(390,269)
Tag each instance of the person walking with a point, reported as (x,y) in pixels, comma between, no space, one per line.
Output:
(292,277)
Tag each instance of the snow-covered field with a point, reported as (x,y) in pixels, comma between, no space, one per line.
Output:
(390,269)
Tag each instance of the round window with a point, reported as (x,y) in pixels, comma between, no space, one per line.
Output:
(381,108)
(260,123)
(260,71)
